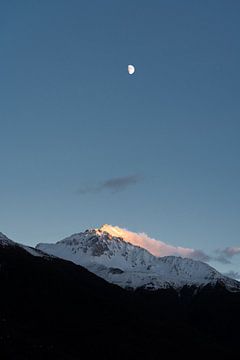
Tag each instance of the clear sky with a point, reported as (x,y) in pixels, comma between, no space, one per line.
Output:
(84,143)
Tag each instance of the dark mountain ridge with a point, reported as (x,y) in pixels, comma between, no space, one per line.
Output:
(53,309)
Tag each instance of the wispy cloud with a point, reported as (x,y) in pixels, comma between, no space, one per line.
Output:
(113,185)
(155,247)
(200,255)
(160,248)
(224,256)
(222,259)
(233,274)
(121,183)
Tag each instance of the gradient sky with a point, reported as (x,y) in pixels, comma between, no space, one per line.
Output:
(83,143)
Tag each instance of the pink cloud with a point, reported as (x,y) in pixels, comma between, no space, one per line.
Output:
(154,246)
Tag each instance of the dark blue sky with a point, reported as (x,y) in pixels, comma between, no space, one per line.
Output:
(72,121)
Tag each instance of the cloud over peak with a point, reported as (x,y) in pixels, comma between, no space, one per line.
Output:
(155,247)
(225,255)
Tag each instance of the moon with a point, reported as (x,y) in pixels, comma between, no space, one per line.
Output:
(131,69)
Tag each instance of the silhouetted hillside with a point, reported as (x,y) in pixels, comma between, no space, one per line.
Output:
(53,309)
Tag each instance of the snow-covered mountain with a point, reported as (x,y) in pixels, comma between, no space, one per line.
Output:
(130,266)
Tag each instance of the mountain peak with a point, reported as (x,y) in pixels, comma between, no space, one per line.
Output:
(105,232)
(114,231)
(5,241)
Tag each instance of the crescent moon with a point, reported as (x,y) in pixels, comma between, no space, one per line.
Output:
(131,69)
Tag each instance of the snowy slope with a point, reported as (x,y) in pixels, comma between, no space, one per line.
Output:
(131,266)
